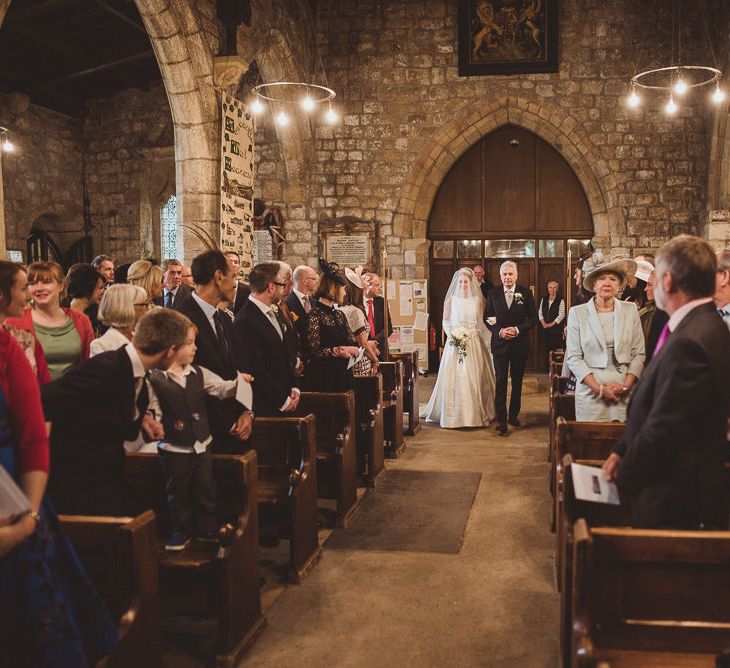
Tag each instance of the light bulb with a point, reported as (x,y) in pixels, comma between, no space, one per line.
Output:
(633,100)
(670,107)
(331,116)
(8,146)
(282,118)
(680,88)
(307,103)
(718,96)
(256,106)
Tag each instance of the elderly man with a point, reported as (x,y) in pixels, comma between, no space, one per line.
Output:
(510,314)
(484,283)
(105,266)
(375,306)
(174,293)
(722,286)
(304,282)
(671,458)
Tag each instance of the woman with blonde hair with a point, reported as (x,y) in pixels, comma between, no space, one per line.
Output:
(120,309)
(146,275)
(64,334)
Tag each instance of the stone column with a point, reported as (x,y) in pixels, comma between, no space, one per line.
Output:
(3,237)
(717,228)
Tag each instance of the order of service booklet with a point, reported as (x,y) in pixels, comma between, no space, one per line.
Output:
(589,484)
(12,500)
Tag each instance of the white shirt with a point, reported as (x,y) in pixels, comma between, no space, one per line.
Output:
(512,290)
(213,385)
(209,310)
(112,339)
(726,318)
(266,310)
(138,372)
(676,318)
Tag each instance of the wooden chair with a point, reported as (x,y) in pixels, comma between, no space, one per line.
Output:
(649,598)
(410,389)
(286,451)
(119,555)
(225,575)
(392,373)
(570,509)
(369,428)
(582,440)
(336,449)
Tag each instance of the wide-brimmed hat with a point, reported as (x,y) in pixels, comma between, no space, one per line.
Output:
(622,267)
(643,270)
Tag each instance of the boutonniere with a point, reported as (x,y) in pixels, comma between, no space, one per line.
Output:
(294,316)
(518,298)
(275,309)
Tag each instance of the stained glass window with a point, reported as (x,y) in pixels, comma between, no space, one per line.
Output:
(168,228)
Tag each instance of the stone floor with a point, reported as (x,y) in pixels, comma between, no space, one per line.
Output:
(493,604)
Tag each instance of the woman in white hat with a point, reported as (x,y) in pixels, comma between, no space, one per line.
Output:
(605,345)
(355,314)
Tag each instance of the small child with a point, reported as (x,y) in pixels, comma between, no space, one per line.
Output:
(177,400)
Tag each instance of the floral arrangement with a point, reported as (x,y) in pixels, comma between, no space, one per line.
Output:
(460,339)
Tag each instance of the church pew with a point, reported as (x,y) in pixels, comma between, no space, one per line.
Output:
(119,555)
(369,428)
(392,373)
(557,357)
(336,449)
(410,389)
(560,404)
(223,576)
(570,509)
(582,440)
(286,451)
(644,598)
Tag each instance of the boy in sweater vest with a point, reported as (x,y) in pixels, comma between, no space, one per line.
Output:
(178,402)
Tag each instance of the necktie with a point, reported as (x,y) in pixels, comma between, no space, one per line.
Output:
(371,318)
(285,315)
(723,313)
(306,305)
(275,323)
(168,299)
(663,336)
(508,297)
(143,398)
(220,331)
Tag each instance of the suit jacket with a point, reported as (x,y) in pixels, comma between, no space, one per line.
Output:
(379,319)
(522,316)
(586,348)
(92,410)
(299,316)
(673,450)
(265,355)
(181,296)
(242,293)
(485,287)
(222,413)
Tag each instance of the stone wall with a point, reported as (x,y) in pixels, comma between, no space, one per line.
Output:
(130,171)
(43,178)
(408,116)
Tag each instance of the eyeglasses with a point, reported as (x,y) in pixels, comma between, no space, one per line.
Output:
(282,285)
(144,305)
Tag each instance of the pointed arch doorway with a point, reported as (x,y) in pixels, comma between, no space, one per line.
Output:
(511,196)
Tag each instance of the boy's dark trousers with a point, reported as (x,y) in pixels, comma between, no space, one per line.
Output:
(191,491)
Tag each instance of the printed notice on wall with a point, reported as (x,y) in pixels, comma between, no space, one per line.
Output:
(263,247)
(421,321)
(348,251)
(405,294)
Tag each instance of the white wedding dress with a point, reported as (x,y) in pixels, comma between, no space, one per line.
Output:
(464,392)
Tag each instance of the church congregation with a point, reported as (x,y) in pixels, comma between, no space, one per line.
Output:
(364,332)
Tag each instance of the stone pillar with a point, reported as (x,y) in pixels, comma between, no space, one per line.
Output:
(3,237)
(717,228)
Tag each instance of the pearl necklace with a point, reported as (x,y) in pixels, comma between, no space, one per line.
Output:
(602,310)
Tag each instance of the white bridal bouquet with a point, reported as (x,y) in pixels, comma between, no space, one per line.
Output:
(459,337)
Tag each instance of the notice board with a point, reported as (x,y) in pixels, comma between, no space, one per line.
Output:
(408,308)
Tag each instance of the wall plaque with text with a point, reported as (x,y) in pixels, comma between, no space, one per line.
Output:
(348,250)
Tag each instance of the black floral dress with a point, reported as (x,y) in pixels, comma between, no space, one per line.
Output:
(327,328)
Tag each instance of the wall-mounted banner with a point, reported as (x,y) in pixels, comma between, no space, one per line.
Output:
(237,182)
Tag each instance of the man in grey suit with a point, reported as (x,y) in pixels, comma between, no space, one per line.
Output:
(670,461)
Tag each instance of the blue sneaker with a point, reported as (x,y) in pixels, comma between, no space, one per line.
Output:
(178,542)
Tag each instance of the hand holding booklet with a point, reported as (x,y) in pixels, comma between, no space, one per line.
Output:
(589,484)
(12,500)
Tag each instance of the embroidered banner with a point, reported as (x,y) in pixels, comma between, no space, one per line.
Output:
(236,228)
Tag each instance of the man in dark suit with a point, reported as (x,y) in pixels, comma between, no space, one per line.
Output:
(215,279)
(174,293)
(510,314)
(670,459)
(95,407)
(375,311)
(262,345)
(485,285)
(242,291)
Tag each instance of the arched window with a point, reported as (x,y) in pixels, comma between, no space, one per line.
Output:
(168,228)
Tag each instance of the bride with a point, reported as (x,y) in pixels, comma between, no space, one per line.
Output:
(464,391)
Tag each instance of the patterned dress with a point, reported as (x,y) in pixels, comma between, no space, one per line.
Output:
(327,328)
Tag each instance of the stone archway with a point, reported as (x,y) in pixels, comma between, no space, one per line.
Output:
(479,118)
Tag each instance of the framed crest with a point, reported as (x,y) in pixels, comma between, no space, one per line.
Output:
(507,37)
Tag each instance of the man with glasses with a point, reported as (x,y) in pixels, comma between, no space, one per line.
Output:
(722,286)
